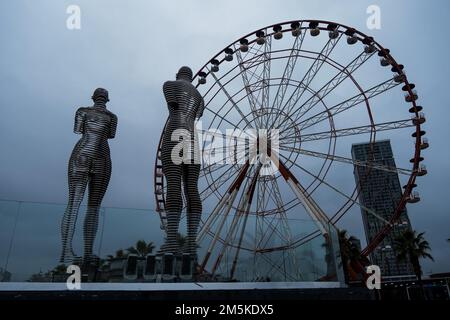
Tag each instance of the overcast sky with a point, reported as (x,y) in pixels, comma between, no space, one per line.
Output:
(132,47)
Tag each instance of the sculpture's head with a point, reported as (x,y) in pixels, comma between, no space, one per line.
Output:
(100,93)
(185,73)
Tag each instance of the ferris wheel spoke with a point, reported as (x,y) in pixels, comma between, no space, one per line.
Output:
(246,69)
(265,99)
(262,198)
(347,197)
(254,50)
(305,239)
(227,242)
(276,266)
(287,73)
(296,243)
(266,191)
(213,167)
(224,176)
(292,256)
(276,196)
(283,214)
(349,103)
(233,125)
(270,196)
(331,85)
(271,230)
(312,208)
(246,96)
(280,267)
(238,136)
(246,206)
(232,158)
(230,194)
(236,154)
(220,181)
(216,185)
(224,204)
(227,200)
(358,163)
(230,98)
(252,100)
(310,74)
(240,215)
(386,126)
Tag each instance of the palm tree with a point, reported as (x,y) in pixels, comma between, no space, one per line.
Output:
(352,259)
(141,248)
(118,255)
(41,277)
(411,246)
(60,269)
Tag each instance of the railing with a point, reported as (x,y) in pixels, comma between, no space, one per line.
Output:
(30,242)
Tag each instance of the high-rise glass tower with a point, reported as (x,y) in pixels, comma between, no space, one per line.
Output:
(379,193)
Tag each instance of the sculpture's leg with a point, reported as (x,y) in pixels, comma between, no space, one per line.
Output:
(77,186)
(194,205)
(97,187)
(174,205)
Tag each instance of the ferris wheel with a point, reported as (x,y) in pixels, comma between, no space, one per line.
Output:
(323,86)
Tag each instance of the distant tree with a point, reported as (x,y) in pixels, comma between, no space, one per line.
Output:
(61,268)
(48,275)
(411,246)
(352,259)
(39,277)
(141,248)
(118,255)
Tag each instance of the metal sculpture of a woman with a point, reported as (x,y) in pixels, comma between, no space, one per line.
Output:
(185,104)
(89,166)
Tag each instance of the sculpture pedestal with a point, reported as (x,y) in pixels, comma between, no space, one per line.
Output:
(161,267)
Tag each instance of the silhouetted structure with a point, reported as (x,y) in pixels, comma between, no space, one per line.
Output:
(381,192)
(89,166)
(185,104)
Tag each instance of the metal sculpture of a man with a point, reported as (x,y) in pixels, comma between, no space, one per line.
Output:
(181,168)
(89,166)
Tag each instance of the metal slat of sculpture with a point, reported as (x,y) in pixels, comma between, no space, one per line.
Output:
(181,165)
(89,166)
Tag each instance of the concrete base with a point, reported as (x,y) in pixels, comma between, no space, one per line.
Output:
(186,291)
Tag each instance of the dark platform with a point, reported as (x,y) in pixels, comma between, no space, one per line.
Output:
(185,292)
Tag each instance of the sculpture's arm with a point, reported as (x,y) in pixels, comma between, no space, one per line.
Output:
(79,121)
(201,107)
(170,89)
(112,126)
